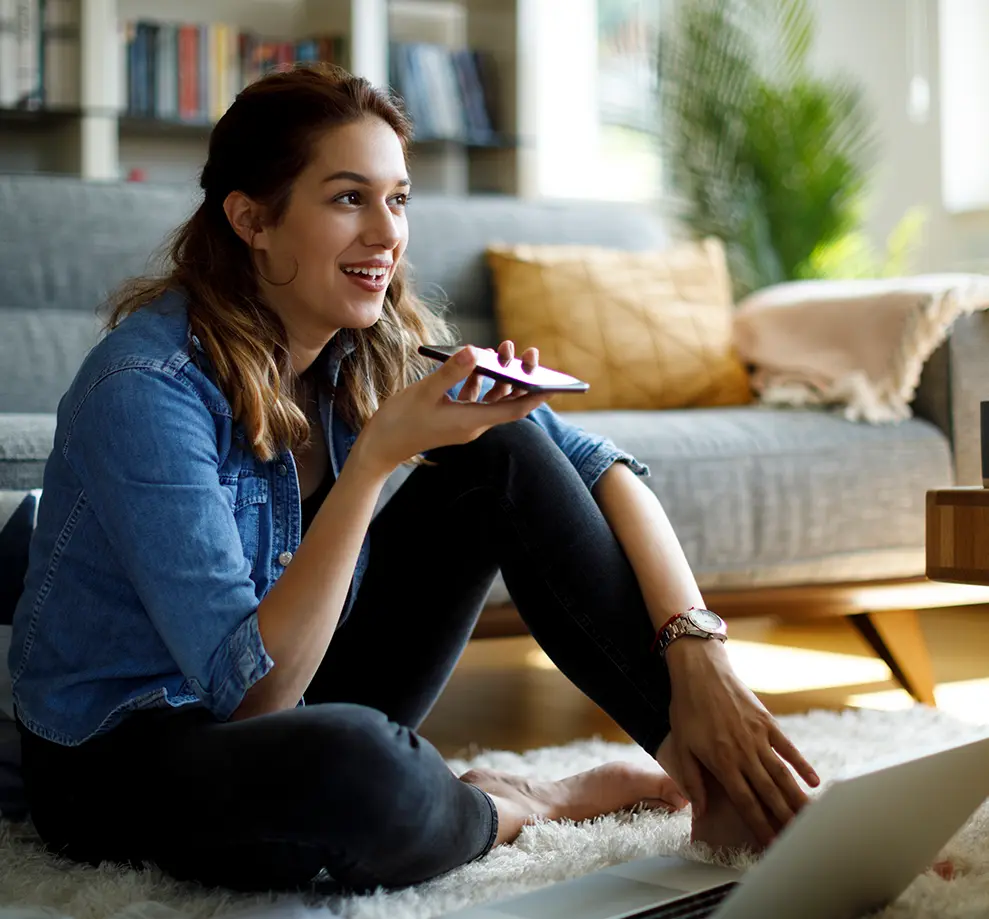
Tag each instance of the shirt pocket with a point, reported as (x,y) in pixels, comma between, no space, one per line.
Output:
(250,495)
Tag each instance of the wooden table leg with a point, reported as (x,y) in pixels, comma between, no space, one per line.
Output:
(895,636)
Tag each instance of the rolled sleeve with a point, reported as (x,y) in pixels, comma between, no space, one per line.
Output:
(245,659)
(144,447)
(590,454)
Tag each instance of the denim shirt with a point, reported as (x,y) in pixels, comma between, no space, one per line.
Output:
(159,533)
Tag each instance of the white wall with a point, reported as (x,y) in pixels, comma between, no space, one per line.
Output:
(558,117)
(869,40)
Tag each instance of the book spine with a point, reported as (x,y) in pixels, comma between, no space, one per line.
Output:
(223,68)
(479,120)
(161,71)
(212,69)
(29,86)
(245,48)
(202,73)
(72,69)
(51,11)
(8,54)
(151,70)
(484,67)
(414,91)
(188,55)
(439,108)
(123,66)
(234,83)
(138,59)
(172,55)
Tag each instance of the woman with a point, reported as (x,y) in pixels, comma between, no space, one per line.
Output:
(198,686)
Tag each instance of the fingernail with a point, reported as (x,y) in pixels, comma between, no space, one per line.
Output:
(465,356)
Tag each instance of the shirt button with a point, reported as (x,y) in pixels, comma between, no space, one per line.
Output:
(282,469)
(284,558)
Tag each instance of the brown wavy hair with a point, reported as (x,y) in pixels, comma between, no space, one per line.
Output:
(259,147)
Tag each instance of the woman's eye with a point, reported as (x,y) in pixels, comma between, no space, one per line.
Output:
(401,199)
(349,197)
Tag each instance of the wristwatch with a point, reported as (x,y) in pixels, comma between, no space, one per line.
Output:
(701,623)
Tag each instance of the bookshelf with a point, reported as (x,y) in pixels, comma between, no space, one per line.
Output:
(102,138)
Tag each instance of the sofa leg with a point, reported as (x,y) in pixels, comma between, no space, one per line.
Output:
(896,637)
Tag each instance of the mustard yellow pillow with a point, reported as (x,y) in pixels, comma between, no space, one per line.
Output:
(647,330)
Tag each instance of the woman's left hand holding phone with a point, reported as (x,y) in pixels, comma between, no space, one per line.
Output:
(500,391)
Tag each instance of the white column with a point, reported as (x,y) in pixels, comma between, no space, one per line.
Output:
(558,105)
(963,27)
(369,40)
(100,59)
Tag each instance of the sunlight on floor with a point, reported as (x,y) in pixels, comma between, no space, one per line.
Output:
(967,700)
(777,669)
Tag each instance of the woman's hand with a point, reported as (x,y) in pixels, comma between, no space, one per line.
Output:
(720,732)
(422,416)
(500,392)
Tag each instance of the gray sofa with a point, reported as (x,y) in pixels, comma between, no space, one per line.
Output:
(761,498)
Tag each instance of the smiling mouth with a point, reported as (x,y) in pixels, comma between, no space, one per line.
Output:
(374,273)
(373,280)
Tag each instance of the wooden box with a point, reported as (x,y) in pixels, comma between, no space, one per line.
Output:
(958,535)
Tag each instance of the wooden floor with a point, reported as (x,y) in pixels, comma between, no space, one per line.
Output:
(506,694)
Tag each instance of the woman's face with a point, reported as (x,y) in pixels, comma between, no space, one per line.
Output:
(345,228)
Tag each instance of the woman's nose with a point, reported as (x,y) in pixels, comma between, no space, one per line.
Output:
(382,229)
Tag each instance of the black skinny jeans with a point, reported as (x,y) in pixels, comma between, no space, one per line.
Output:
(345,783)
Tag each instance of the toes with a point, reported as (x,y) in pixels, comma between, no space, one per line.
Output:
(478,777)
(664,804)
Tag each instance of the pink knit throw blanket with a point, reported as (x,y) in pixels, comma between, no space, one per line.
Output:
(858,344)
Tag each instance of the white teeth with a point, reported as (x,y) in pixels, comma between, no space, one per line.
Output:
(369,272)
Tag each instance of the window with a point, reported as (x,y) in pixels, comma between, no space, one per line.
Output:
(628,110)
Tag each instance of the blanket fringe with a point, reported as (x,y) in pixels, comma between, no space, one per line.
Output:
(888,399)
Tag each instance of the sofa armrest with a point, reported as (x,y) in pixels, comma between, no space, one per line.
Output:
(954,381)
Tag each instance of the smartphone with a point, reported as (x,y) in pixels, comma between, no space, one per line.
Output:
(542,379)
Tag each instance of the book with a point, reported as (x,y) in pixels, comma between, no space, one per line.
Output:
(193,72)
(29,88)
(60,64)
(188,60)
(443,91)
(166,70)
(8,53)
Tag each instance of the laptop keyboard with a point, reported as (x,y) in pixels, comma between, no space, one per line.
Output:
(694,907)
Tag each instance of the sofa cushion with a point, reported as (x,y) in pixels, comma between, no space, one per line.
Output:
(25,442)
(646,330)
(70,242)
(40,352)
(448,236)
(765,497)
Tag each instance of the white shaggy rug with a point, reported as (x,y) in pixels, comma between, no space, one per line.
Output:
(35,886)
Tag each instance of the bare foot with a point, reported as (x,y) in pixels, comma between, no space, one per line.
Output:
(603,790)
(721,825)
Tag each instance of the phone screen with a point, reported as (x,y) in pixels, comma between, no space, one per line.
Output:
(488,364)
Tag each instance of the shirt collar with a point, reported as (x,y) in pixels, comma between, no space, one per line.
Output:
(339,346)
(342,344)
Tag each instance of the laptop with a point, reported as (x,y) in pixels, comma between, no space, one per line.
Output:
(851,851)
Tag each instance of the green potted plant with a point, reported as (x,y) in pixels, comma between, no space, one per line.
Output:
(763,153)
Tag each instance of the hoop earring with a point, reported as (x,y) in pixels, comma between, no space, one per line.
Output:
(262,274)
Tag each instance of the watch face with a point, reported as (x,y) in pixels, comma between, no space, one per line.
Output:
(706,620)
